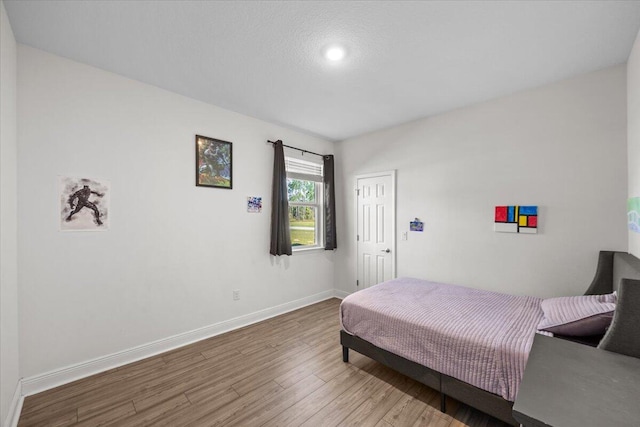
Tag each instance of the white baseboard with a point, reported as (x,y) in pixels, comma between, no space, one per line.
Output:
(340,294)
(49,380)
(16,407)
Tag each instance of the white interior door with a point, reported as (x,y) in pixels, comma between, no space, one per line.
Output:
(376,243)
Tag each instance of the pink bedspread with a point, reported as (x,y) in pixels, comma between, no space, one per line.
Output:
(480,337)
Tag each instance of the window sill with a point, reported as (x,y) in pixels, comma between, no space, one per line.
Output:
(307,250)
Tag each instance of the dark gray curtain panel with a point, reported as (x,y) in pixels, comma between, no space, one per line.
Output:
(280,234)
(330,240)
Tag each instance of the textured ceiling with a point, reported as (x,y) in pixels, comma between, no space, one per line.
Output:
(405,60)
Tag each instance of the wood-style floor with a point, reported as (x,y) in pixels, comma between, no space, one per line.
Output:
(286,371)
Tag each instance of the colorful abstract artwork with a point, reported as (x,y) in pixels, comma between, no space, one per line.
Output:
(254,204)
(633,214)
(416,225)
(516,219)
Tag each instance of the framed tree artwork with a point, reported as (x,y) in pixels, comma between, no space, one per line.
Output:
(213,163)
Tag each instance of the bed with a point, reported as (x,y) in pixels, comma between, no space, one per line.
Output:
(470,344)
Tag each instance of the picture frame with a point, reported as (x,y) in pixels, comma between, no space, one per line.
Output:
(214,163)
(84,203)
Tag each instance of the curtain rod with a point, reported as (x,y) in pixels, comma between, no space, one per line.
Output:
(295,148)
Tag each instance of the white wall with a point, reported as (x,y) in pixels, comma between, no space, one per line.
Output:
(9,361)
(633,123)
(175,251)
(561,147)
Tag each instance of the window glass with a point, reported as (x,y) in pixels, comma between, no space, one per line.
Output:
(299,190)
(302,221)
(304,192)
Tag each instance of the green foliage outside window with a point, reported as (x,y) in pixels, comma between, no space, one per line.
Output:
(302,218)
(301,191)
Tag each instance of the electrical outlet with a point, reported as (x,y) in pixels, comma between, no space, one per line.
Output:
(405,235)
(236,294)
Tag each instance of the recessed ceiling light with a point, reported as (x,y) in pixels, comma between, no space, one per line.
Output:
(334,53)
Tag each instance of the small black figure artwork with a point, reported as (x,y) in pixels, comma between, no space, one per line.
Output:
(84,204)
(82,196)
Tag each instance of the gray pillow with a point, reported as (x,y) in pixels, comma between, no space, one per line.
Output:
(578,316)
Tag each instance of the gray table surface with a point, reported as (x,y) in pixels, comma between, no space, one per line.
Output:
(566,384)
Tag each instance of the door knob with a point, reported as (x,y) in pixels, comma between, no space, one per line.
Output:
(386,250)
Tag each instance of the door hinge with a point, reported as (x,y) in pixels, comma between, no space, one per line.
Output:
(357,191)
(357,238)
(357,282)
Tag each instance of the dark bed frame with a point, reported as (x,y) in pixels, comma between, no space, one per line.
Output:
(617,271)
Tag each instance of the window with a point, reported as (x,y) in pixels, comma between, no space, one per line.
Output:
(304,192)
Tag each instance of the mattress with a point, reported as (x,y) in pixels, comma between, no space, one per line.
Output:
(482,338)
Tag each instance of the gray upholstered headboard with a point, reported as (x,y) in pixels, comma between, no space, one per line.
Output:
(625,266)
(613,266)
(620,271)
